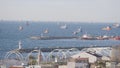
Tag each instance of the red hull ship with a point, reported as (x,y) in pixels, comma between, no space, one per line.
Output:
(117,38)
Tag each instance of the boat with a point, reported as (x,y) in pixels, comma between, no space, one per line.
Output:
(46,31)
(77,31)
(116,38)
(116,25)
(107,28)
(105,37)
(63,26)
(88,37)
(20,28)
(99,38)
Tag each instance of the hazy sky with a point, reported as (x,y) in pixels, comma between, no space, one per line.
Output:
(61,10)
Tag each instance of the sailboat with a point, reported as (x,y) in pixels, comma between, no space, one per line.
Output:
(46,31)
(20,28)
(77,31)
(63,26)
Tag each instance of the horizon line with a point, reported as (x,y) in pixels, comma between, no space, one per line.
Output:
(54,21)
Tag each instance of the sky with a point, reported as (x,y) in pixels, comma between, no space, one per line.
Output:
(61,10)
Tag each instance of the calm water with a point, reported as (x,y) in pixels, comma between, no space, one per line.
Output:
(10,35)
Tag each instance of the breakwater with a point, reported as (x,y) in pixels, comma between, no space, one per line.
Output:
(51,38)
(50,49)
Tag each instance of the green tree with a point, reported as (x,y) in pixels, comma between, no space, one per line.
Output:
(32,60)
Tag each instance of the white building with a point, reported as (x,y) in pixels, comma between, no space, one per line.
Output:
(91,57)
(78,63)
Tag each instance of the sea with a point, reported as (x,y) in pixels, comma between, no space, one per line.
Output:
(11,34)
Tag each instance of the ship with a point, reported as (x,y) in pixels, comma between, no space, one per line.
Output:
(116,38)
(107,28)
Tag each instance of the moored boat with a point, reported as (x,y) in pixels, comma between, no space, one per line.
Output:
(116,38)
(88,37)
(107,28)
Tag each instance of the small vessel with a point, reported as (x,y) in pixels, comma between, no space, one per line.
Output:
(116,38)
(116,25)
(77,31)
(20,28)
(107,28)
(88,37)
(46,31)
(100,38)
(63,26)
(105,37)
